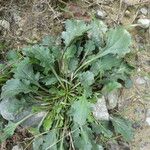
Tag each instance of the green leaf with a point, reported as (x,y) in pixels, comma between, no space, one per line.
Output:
(70,52)
(13,55)
(14,87)
(8,131)
(104,64)
(86,78)
(74,30)
(49,80)
(97,32)
(85,141)
(46,142)
(42,54)
(124,127)
(101,128)
(48,41)
(89,47)
(54,45)
(80,110)
(73,64)
(111,86)
(122,72)
(24,70)
(47,124)
(118,42)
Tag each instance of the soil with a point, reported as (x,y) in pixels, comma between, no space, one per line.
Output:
(30,20)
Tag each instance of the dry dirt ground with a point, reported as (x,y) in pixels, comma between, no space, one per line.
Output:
(27,21)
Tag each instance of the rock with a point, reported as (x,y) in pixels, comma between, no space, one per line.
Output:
(144,23)
(127,13)
(130,2)
(5,24)
(113,145)
(15,110)
(140,81)
(17,18)
(9,108)
(123,146)
(17,147)
(100,14)
(34,120)
(19,32)
(148,117)
(100,110)
(144,11)
(112,99)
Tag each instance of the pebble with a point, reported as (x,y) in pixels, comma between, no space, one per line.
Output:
(148,117)
(140,80)
(130,2)
(17,147)
(113,145)
(5,24)
(127,13)
(144,11)
(100,14)
(144,23)
(112,99)
(100,111)
(19,32)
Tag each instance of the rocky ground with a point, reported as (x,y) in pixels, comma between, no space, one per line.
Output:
(27,21)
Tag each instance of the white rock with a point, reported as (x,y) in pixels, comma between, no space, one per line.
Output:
(17,18)
(112,99)
(140,81)
(148,117)
(127,13)
(144,11)
(101,14)
(5,24)
(100,111)
(144,23)
(148,121)
(17,147)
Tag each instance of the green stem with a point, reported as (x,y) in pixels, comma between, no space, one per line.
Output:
(54,72)
(86,63)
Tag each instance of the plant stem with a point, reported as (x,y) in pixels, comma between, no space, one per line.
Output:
(54,72)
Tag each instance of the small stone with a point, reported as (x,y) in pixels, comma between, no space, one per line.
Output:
(148,117)
(136,125)
(144,11)
(16,18)
(101,14)
(19,32)
(17,147)
(127,13)
(112,99)
(144,23)
(140,81)
(34,120)
(100,110)
(130,2)
(148,120)
(5,24)
(113,145)
(123,146)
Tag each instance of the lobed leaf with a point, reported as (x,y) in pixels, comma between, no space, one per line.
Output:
(14,87)
(80,110)
(123,127)
(74,30)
